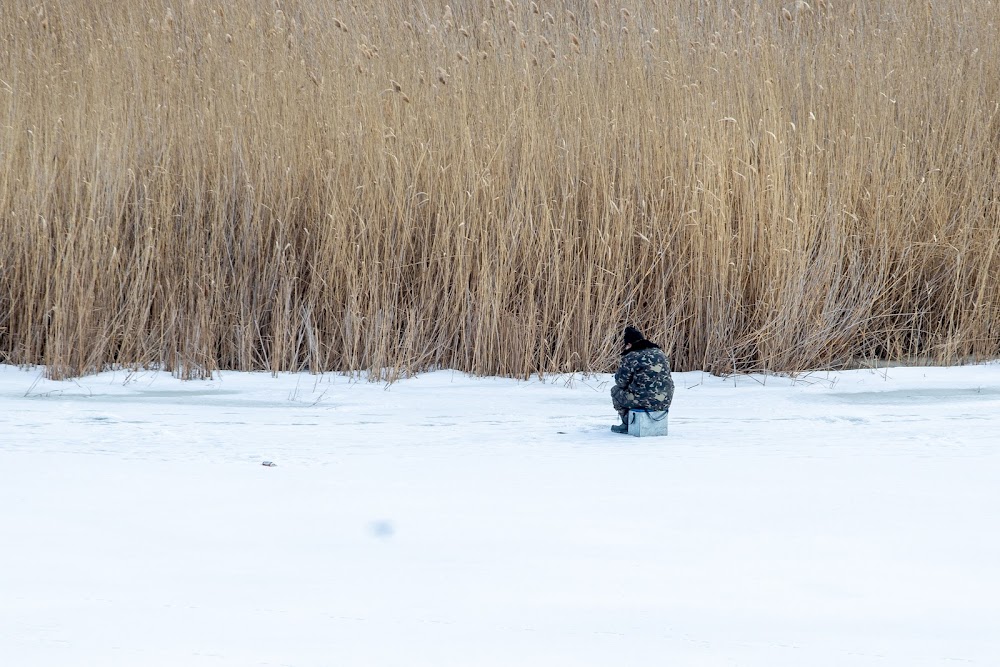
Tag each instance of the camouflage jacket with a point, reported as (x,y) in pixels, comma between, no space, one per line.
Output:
(643,380)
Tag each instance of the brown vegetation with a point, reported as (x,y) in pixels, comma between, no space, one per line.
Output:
(496,186)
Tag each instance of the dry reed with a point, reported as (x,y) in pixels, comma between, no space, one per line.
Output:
(496,187)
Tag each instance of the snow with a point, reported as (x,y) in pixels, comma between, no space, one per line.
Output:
(835,519)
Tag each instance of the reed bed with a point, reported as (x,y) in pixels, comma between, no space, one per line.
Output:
(497,187)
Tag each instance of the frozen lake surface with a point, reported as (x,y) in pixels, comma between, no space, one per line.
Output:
(837,519)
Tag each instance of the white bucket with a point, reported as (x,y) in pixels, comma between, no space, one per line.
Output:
(647,423)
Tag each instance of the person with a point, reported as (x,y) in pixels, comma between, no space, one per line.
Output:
(643,380)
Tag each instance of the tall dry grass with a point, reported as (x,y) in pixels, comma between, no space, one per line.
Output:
(494,186)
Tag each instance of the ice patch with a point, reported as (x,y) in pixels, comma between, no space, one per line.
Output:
(917,395)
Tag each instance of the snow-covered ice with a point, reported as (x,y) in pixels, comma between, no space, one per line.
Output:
(837,519)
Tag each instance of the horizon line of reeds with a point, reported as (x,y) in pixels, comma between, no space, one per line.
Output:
(497,187)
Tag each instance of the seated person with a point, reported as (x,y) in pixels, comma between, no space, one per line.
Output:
(643,379)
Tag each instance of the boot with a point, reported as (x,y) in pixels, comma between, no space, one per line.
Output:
(623,427)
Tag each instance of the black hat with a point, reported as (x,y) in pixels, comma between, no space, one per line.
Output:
(632,335)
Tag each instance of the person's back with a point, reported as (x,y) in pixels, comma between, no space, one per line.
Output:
(643,380)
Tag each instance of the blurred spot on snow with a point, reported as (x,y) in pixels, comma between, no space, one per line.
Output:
(382,528)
